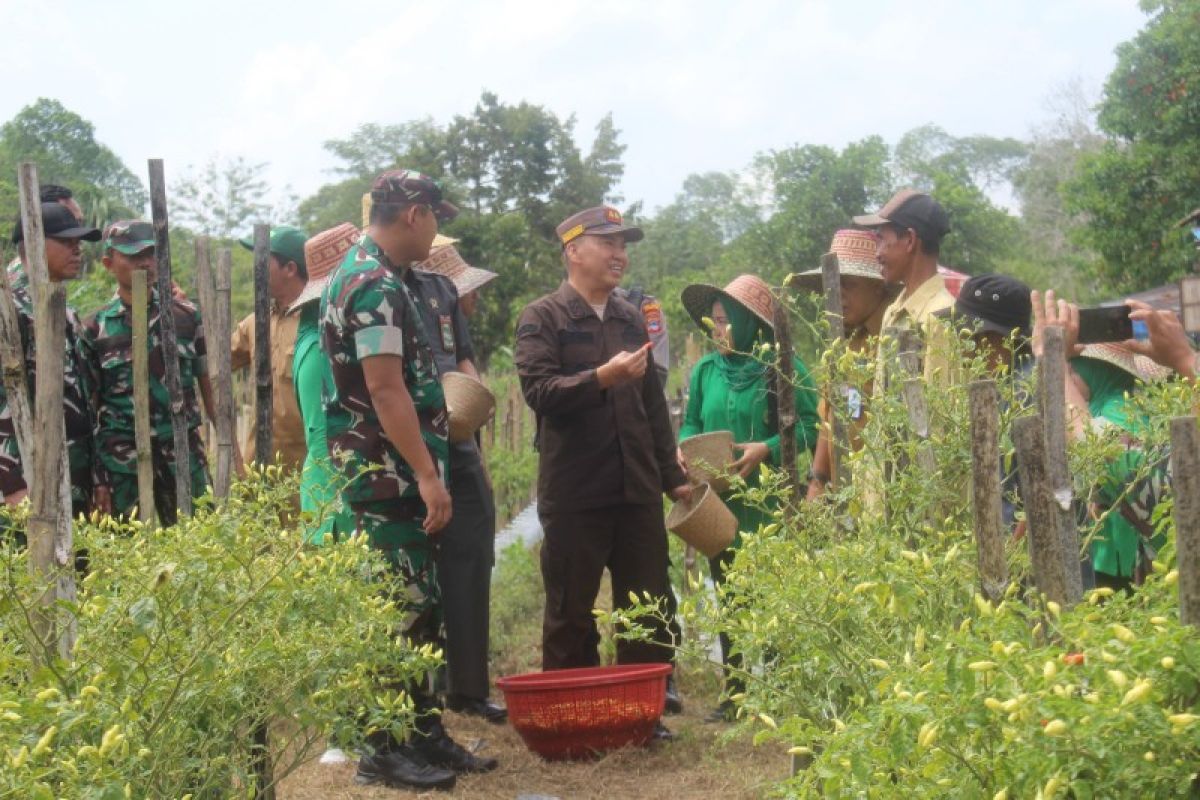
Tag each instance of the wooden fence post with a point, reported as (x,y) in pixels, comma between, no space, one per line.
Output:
(170,344)
(986,491)
(141,397)
(785,394)
(831,286)
(51,546)
(264,451)
(206,295)
(918,418)
(1045,546)
(1185,478)
(223,334)
(1053,401)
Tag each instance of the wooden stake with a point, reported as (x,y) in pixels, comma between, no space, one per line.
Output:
(170,344)
(51,545)
(206,295)
(1045,546)
(831,284)
(222,335)
(12,362)
(986,491)
(913,391)
(264,450)
(785,392)
(141,397)
(1185,478)
(1053,401)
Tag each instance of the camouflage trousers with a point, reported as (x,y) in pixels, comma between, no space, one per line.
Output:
(125,487)
(392,528)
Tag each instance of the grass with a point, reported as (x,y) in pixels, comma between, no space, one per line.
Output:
(704,761)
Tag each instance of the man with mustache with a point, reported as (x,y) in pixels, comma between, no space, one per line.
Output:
(128,247)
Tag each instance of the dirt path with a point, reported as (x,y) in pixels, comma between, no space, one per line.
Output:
(699,764)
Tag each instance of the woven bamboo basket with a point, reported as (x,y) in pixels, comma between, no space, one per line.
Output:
(469,403)
(704,522)
(708,457)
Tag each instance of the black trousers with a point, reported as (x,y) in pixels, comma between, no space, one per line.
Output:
(465,558)
(631,541)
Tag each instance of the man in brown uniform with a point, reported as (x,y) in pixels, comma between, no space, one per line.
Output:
(287,276)
(607,453)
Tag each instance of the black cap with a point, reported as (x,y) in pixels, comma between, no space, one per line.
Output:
(996,303)
(911,209)
(59,222)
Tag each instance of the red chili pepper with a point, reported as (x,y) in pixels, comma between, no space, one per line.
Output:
(1073,659)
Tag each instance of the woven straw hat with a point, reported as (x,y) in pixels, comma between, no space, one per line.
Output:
(704,522)
(438,239)
(469,404)
(1139,366)
(323,253)
(708,456)
(856,257)
(750,291)
(449,262)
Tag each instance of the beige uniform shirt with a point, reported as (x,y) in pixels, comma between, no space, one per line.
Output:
(918,310)
(287,426)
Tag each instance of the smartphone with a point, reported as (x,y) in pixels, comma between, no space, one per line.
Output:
(1105,324)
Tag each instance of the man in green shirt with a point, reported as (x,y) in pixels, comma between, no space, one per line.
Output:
(129,246)
(387,425)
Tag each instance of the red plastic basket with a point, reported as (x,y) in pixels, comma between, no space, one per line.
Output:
(577,713)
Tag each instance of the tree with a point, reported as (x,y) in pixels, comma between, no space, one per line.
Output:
(222,198)
(64,147)
(1145,177)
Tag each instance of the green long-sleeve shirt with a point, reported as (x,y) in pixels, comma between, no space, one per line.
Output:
(319,483)
(713,405)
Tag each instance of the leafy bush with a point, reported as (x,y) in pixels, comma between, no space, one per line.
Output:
(190,637)
(869,650)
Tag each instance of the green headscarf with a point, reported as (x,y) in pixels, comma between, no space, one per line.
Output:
(1108,387)
(746,330)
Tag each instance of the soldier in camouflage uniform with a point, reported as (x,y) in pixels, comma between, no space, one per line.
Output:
(128,246)
(63,235)
(387,412)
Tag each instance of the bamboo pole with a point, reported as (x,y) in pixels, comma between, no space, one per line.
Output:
(1185,477)
(785,393)
(222,335)
(1045,547)
(986,491)
(206,295)
(12,362)
(141,397)
(263,449)
(831,286)
(1053,400)
(51,546)
(170,344)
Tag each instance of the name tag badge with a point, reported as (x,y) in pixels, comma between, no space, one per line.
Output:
(447,327)
(854,402)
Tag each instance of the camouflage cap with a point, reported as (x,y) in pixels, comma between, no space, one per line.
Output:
(407,186)
(596,221)
(59,223)
(129,236)
(287,242)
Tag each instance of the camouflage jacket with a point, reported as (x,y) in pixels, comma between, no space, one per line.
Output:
(110,338)
(77,408)
(368,310)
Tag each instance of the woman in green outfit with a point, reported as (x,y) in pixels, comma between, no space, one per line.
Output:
(1101,380)
(730,391)
(320,484)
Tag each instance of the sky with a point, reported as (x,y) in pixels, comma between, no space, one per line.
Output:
(692,86)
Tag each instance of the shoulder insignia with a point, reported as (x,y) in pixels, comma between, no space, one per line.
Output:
(528,329)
